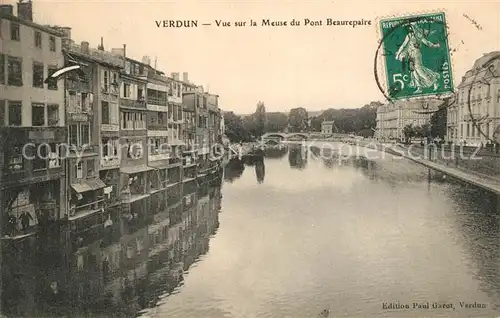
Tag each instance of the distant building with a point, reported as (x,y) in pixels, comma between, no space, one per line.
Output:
(393,117)
(481,90)
(327,127)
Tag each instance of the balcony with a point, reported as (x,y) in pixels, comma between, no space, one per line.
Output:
(158,156)
(139,104)
(157,101)
(110,127)
(109,163)
(85,209)
(158,126)
(78,86)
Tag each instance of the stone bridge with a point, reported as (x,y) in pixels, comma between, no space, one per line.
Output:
(281,136)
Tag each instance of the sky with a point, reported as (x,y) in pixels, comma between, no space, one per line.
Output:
(285,67)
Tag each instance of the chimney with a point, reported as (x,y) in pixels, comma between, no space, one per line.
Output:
(124,50)
(146,60)
(101,46)
(85,47)
(66,31)
(185,78)
(25,10)
(175,76)
(7,9)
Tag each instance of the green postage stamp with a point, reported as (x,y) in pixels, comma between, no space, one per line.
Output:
(417,56)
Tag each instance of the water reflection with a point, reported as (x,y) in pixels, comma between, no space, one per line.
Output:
(479,223)
(297,157)
(233,170)
(112,278)
(276,151)
(260,169)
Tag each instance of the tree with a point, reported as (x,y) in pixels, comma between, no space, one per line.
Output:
(260,119)
(316,123)
(351,120)
(438,120)
(276,122)
(235,130)
(408,132)
(298,119)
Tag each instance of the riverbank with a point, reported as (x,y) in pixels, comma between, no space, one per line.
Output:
(481,169)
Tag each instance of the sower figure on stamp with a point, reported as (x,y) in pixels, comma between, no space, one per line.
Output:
(421,76)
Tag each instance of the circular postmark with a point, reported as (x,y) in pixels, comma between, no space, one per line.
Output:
(417,57)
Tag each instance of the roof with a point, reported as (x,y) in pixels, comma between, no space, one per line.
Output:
(32,24)
(479,70)
(327,122)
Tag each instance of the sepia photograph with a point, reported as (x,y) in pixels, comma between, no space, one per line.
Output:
(249,159)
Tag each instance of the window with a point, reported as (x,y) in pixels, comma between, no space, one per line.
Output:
(105,112)
(53,114)
(2,69)
(38,39)
(85,134)
(40,157)
(38,77)
(110,147)
(153,119)
(105,81)
(79,135)
(140,121)
(127,121)
(53,82)
(37,114)
(126,90)
(140,94)
(15,33)
(15,160)
(14,71)
(170,111)
(79,170)
(52,44)
(2,112)
(90,167)
(15,113)
(54,155)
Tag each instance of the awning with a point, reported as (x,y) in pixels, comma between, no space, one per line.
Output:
(135,169)
(213,158)
(88,185)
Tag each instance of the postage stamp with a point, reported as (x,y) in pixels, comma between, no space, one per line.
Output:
(417,56)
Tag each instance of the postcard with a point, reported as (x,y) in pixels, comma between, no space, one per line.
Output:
(249,159)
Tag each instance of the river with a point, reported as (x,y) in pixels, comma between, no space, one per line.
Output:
(296,235)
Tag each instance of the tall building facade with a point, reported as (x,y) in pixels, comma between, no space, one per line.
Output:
(475,116)
(32,124)
(394,116)
(92,104)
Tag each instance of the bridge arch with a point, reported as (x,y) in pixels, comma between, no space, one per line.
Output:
(276,135)
(303,135)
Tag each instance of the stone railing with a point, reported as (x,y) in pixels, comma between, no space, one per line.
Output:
(479,160)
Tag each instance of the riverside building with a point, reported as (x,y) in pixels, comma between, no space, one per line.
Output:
(32,124)
(475,116)
(394,116)
(92,99)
